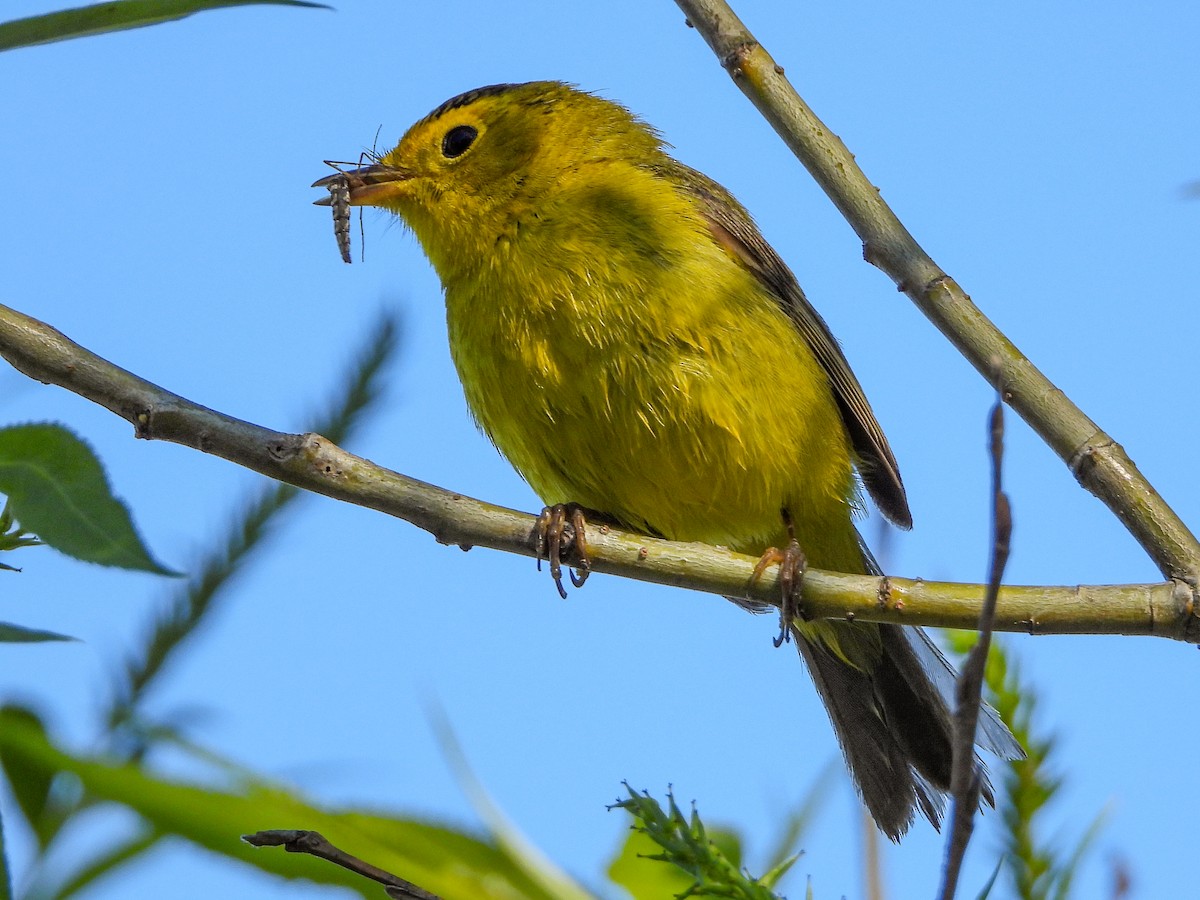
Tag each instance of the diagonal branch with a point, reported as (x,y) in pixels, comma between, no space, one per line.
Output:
(1097,461)
(311,462)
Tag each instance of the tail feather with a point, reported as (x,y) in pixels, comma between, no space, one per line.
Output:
(890,710)
(894,727)
(878,762)
(914,709)
(993,735)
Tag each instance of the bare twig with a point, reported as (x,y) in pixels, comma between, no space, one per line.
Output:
(314,844)
(965,777)
(872,858)
(313,463)
(1097,461)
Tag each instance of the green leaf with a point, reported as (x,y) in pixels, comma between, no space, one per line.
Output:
(5,879)
(638,868)
(991,882)
(12,537)
(57,489)
(450,863)
(711,857)
(121,15)
(31,785)
(17,634)
(772,878)
(1065,875)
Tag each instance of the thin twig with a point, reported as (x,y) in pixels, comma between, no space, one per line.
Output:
(964,775)
(314,844)
(1097,461)
(872,858)
(311,462)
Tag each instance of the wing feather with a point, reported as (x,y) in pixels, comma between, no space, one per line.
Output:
(735,229)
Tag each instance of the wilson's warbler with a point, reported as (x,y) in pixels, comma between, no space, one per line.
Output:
(633,345)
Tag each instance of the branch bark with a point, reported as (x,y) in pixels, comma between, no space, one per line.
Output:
(1097,461)
(311,462)
(315,844)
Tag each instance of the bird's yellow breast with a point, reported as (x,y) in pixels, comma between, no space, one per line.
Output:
(622,359)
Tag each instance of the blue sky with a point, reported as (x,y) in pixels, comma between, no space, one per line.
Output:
(160,215)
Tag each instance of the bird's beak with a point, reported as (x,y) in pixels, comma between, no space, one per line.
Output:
(369,186)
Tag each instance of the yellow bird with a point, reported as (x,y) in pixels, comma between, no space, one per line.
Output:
(632,344)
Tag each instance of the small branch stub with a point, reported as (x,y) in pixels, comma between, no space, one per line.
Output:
(314,844)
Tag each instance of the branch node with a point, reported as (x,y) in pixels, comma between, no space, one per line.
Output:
(1184,595)
(883,594)
(873,256)
(285,449)
(321,455)
(734,61)
(1083,461)
(941,282)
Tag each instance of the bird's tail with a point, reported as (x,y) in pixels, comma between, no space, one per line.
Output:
(894,724)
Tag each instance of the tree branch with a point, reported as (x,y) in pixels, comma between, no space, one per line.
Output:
(311,462)
(315,844)
(1098,462)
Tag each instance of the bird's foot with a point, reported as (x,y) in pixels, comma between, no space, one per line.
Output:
(561,529)
(791,562)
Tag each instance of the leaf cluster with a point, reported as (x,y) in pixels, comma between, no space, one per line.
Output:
(709,861)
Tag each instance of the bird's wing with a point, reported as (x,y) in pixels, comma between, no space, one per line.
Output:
(736,231)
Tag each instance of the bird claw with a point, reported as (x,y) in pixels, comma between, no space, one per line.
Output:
(791,562)
(561,529)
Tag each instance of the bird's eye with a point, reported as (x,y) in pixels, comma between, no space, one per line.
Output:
(457,140)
